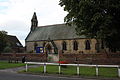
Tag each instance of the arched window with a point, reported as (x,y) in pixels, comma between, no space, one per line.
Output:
(75,45)
(64,46)
(35,45)
(87,45)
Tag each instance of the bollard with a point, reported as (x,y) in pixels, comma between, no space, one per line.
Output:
(26,67)
(78,70)
(44,67)
(97,70)
(118,71)
(59,69)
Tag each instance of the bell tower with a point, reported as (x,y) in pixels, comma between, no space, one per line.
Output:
(34,22)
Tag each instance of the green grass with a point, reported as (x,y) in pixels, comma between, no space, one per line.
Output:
(87,71)
(5,65)
(52,69)
(71,70)
(108,72)
(35,70)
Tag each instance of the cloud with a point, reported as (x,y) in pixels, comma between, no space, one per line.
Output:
(15,15)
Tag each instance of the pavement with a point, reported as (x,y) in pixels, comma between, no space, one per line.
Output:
(11,74)
(15,70)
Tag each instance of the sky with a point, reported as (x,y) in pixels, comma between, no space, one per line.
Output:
(15,15)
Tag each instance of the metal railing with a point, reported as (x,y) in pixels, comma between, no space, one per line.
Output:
(77,66)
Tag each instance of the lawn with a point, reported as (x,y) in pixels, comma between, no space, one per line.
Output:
(5,65)
(71,70)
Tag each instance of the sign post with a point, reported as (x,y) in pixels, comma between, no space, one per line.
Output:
(39,49)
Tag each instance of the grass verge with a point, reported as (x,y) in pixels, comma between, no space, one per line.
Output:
(5,65)
(71,70)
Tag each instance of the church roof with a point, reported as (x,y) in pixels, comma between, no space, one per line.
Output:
(53,32)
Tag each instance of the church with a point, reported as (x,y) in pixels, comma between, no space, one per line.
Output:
(59,37)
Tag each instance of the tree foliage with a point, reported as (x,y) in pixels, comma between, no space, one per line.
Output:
(98,19)
(3,40)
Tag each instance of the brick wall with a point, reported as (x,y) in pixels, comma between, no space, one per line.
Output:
(29,57)
(101,58)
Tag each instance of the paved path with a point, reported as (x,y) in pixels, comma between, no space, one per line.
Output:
(15,70)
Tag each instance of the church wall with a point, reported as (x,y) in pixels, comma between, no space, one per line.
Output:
(40,43)
(30,47)
(81,46)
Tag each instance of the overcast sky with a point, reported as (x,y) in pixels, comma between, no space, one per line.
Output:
(15,15)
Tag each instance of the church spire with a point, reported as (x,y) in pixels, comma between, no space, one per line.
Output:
(34,22)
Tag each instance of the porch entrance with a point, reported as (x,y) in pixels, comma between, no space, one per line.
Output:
(50,50)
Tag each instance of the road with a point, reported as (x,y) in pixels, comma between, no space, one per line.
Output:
(15,76)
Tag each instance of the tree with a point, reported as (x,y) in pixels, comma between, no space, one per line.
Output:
(99,19)
(3,40)
(8,48)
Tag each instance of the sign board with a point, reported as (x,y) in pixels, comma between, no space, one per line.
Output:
(39,49)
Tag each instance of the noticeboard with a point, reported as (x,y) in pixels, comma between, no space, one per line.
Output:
(39,49)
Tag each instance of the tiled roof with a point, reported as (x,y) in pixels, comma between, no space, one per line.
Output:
(54,32)
(14,41)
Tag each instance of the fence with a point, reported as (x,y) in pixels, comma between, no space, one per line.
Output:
(77,67)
